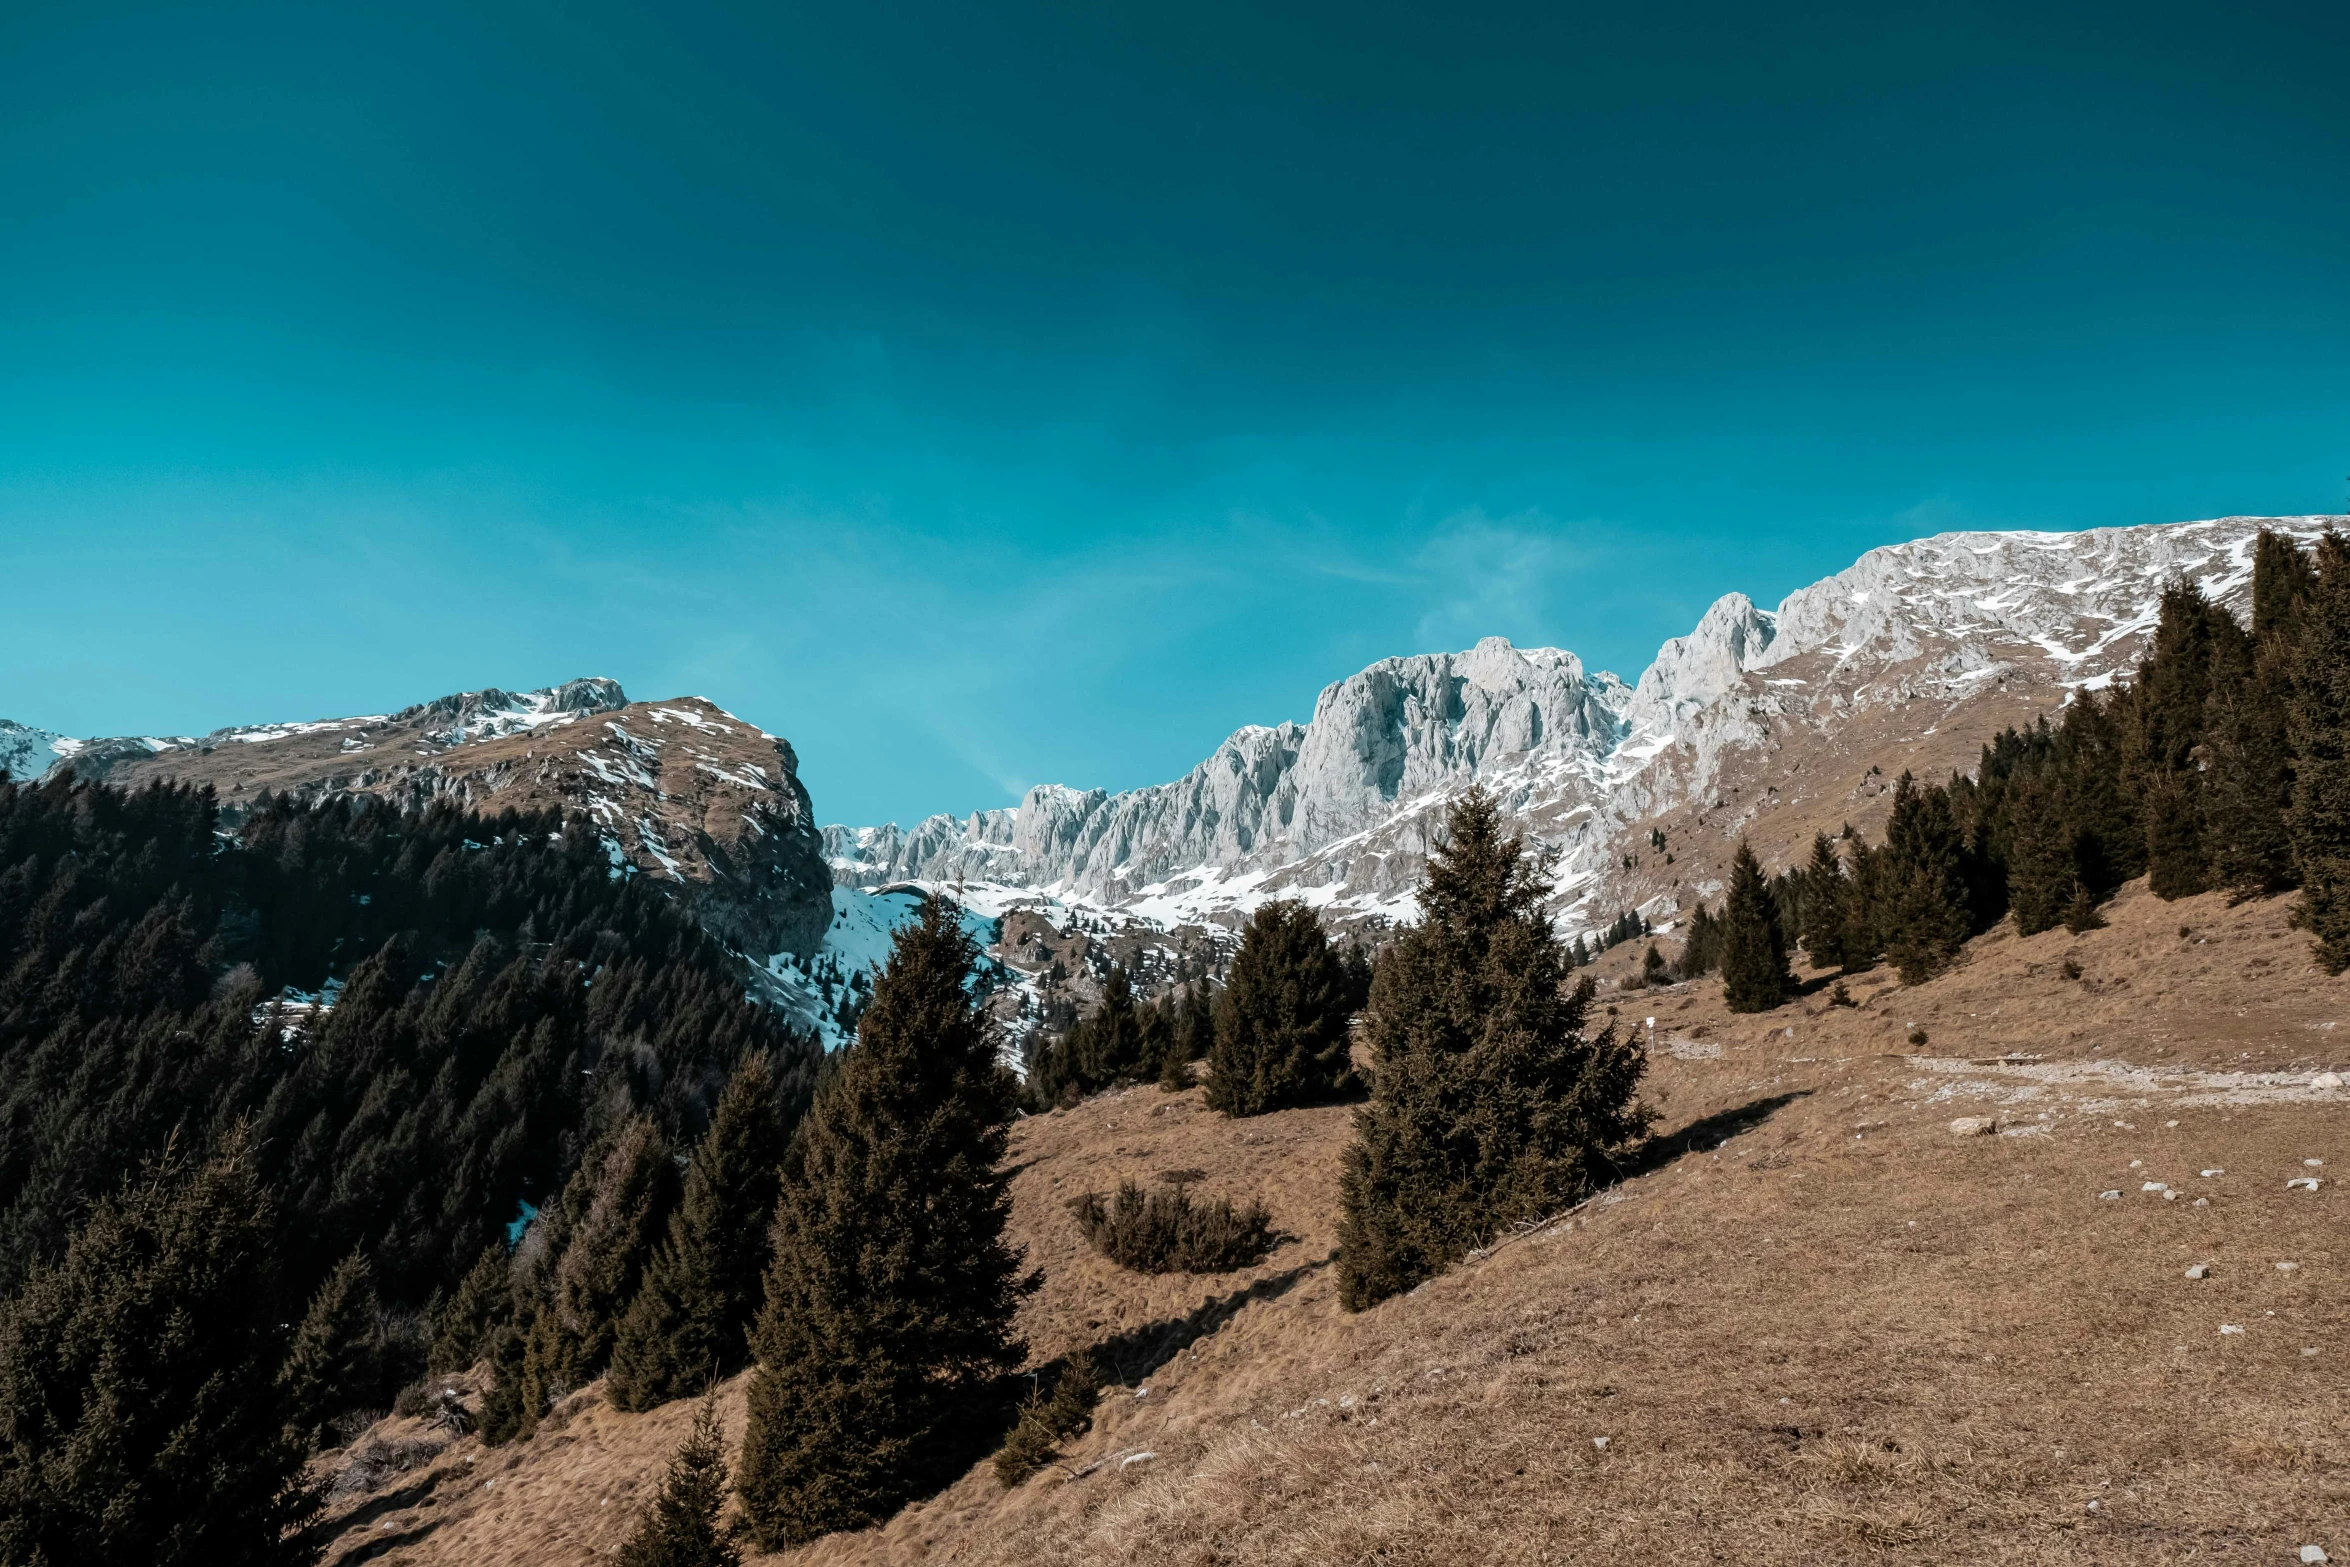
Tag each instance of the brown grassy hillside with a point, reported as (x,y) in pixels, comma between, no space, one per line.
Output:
(1815,1325)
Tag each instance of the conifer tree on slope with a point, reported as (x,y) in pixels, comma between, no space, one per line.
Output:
(2283,582)
(1864,906)
(141,1421)
(2248,784)
(1489,1101)
(2320,817)
(1824,891)
(1281,1019)
(467,1324)
(691,1317)
(679,1527)
(336,1361)
(887,1326)
(614,1209)
(1922,888)
(2165,710)
(1755,976)
(2042,869)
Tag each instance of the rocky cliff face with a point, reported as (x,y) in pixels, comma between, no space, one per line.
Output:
(1768,723)
(680,790)
(1402,731)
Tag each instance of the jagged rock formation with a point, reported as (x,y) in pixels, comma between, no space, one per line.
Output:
(680,790)
(1769,722)
(1402,730)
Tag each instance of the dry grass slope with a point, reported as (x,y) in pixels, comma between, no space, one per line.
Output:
(1815,1326)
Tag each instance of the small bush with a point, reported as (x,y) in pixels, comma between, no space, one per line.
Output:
(2070,968)
(1840,997)
(2081,916)
(1167,1232)
(1049,1419)
(1917,1036)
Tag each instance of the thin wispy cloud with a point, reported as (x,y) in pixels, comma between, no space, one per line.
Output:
(1481,577)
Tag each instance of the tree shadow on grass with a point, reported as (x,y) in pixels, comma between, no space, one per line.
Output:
(1130,1356)
(371,1512)
(1708,1132)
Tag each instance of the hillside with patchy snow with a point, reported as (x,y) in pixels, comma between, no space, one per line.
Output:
(681,790)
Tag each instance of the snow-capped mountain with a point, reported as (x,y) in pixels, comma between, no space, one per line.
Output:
(681,790)
(1913,656)
(26,752)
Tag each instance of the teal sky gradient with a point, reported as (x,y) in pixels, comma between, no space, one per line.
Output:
(992,395)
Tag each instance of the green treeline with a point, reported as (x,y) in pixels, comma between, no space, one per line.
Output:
(2222,765)
(506,1011)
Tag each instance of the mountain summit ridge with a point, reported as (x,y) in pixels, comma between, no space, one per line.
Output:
(1338,810)
(680,790)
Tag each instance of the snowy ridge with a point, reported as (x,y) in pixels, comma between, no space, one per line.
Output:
(679,790)
(1337,811)
(26,752)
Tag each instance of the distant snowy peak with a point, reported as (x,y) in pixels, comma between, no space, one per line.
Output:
(681,790)
(1400,729)
(1339,809)
(462,718)
(26,752)
(1931,617)
(488,714)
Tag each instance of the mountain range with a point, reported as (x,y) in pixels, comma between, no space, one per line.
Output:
(1769,722)
(1763,723)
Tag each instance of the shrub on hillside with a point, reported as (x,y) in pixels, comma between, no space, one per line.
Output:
(1053,1414)
(1166,1231)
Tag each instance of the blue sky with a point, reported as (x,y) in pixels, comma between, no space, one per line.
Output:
(984,396)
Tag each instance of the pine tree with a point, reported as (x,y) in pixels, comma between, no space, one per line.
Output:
(2080,915)
(1106,1046)
(336,1362)
(1823,905)
(1490,1103)
(2109,833)
(2283,583)
(1864,906)
(1755,976)
(2320,728)
(2248,776)
(691,1318)
(2043,870)
(2177,859)
(1701,951)
(1281,1018)
(889,1306)
(614,1208)
(1193,1035)
(508,1411)
(1922,883)
(679,1527)
(468,1322)
(2164,730)
(141,1420)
